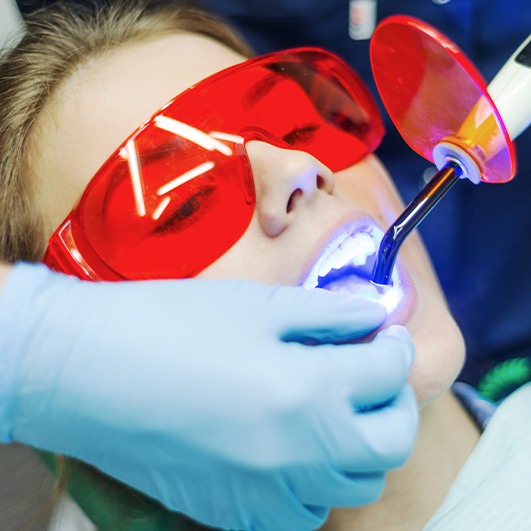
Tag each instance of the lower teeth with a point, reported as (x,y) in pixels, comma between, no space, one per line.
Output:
(353,285)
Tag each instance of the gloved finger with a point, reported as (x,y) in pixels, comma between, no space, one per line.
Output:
(386,368)
(331,487)
(374,372)
(378,439)
(307,518)
(323,317)
(271,504)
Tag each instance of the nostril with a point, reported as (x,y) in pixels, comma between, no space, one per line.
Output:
(321,184)
(293,198)
(325,181)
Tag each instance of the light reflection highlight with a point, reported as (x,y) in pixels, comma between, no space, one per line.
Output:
(161,208)
(136,177)
(192,134)
(185,177)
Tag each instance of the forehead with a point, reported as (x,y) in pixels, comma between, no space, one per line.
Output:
(105,100)
(116,92)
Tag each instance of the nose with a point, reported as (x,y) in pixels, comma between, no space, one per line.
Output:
(285,181)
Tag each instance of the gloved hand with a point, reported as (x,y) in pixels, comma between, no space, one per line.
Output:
(200,394)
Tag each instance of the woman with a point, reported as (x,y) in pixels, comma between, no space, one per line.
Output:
(305,216)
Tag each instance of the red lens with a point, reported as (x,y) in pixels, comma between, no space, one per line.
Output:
(179,193)
(433,93)
(308,98)
(165,206)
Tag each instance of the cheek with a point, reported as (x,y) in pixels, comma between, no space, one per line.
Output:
(368,186)
(279,260)
(439,355)
(254,257)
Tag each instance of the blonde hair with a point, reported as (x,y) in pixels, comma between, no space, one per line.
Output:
(58,39)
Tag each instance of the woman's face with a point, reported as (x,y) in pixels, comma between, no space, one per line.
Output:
(303,211)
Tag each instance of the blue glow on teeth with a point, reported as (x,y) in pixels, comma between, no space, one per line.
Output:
(346,267)
(350,252)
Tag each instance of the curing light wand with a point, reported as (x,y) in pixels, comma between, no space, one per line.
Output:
(414,213)
(478,149)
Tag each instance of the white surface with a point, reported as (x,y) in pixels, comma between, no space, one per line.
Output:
(493,490)
(67,516)
(11,23)
(511,92)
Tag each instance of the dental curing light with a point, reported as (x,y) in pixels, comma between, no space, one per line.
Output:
(444,110)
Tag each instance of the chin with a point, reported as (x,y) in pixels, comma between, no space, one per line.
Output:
(439,354)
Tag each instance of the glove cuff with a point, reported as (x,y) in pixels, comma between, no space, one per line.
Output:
(17,298)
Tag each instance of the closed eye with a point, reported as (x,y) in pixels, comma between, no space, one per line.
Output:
(345,123)
(185,213)
(301,135)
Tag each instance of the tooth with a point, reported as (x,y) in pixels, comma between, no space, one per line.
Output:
(349,245)
(366,241)
(354,249)
(338,258)
(310,283)
(324,269)
(365,246)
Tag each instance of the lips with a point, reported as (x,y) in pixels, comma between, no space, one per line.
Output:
(345,266)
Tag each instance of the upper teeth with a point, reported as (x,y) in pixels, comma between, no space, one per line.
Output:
(351,249)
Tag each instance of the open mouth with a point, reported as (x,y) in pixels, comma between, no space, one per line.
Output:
(345,266)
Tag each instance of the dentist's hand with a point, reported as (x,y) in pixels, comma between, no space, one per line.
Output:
(203,395)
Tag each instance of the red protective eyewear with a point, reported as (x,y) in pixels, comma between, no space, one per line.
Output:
(179,192)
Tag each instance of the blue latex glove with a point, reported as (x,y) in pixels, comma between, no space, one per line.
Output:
(199,394)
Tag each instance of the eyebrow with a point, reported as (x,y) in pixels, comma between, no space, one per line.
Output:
(260,90)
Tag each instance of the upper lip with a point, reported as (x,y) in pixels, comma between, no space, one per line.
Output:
(345,248)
